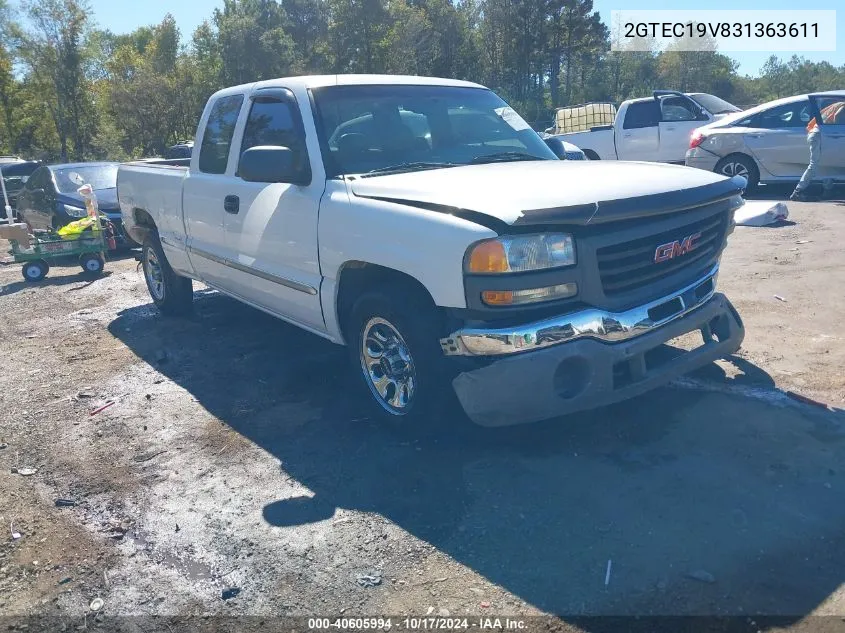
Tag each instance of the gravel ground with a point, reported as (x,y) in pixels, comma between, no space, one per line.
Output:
(235,475)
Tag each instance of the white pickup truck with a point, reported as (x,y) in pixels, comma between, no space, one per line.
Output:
(422,223)
(655,128)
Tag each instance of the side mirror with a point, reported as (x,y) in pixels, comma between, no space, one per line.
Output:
(273,163)
(556,145)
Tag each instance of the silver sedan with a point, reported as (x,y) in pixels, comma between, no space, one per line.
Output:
(768,143)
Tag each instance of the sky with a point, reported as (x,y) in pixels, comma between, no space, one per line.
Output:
(122,16)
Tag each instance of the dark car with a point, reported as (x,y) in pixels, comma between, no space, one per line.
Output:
(180,150)
(49,199)
(15,176)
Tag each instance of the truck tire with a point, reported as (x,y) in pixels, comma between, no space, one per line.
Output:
(172,294)
(393,345)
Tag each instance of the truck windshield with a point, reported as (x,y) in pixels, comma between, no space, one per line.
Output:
(386,129)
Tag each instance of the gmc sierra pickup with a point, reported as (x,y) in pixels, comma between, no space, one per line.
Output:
(422,223)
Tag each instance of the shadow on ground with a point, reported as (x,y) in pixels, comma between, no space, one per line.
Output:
(55,276)
(748,490)
(781,192)
(82,278)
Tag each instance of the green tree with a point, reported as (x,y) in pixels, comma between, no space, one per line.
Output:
(54,53)
(357,35)
(253,41)
(308,26)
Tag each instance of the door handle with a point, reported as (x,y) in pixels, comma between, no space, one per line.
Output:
(231,204)
(628,135)
(753,136)
(671,129)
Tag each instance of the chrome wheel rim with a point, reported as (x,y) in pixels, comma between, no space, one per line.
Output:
(387,366)
(735,169)
(155,278)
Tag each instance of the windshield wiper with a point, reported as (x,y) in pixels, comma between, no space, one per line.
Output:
(403,167)
(503,157)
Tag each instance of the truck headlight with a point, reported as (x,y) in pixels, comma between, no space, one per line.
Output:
(76,212)
(520,253)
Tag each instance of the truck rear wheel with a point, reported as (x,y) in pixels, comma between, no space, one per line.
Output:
(393,346)
(171,293)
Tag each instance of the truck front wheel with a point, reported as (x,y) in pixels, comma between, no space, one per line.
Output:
(172,294)
(393,345)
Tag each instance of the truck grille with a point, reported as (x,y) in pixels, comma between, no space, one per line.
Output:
(630,265)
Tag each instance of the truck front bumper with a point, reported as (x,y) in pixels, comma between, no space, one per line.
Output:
(591,358)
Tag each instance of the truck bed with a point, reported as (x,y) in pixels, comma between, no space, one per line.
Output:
(155,188)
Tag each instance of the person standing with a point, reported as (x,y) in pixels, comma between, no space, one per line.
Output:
(831,114)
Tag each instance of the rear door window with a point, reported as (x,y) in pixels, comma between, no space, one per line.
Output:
(642,114)
(217,138)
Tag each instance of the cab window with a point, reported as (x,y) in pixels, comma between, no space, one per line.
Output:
(679,109)
(217,138)
(642,114)
(271,122)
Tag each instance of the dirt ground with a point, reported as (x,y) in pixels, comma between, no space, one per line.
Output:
(235,475)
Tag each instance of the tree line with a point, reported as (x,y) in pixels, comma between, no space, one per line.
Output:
(70,90)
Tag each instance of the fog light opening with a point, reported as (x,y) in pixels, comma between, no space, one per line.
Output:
(720,327)
(571,377)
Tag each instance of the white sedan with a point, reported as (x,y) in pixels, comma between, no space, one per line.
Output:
(768,143)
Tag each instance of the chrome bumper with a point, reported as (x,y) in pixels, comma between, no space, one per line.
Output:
(609,327)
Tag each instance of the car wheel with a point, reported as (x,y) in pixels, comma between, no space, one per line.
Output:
(92,263)
(35,270)
(739,165)
(172,294)
(394,348)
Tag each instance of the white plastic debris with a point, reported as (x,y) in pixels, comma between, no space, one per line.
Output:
(760,213)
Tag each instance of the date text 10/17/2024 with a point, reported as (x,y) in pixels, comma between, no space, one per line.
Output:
(416,624)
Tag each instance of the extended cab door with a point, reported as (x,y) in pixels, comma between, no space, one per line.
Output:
(679,116)
(638,137)
(206,188)
(271,227)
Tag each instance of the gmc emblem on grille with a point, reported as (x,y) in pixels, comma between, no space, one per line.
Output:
(670,250)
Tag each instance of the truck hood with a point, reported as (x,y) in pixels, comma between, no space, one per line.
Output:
(542,192)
